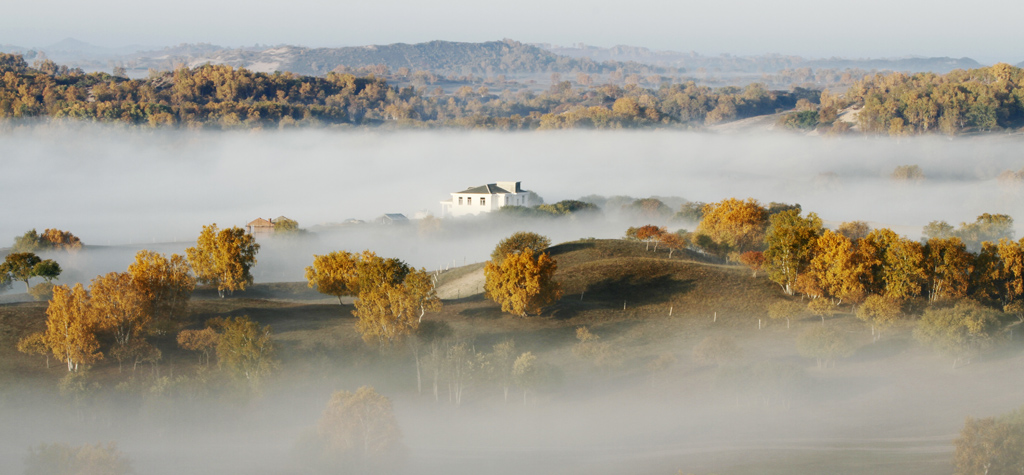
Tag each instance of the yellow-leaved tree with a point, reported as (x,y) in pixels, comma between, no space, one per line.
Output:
(734,225)
(223,258)
(836,269)
(359,432)
(165,283)
(389,310)
(334,274)
(70,333)
(118,306)
(522,283)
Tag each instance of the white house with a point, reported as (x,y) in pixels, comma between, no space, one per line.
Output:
(485,198)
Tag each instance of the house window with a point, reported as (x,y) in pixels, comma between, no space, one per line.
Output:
(506,200)
(469,200)
(460,201)
(483,201)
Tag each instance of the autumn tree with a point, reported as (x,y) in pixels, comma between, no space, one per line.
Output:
(202,341)
(519,242)
(119,307)
(993,445)
(334,274)
(986,228)
(961,331)
(87,459)
(947,268)
(70,331)
(166,284)
(522,283)
(836,268)
(1011,269)
(358,432)
(784,309)
(502,358)
(893,264)
(754,260)
(589,347)
(388,310)
(526,373)
(735,225)
(246,351)
(825,344)
(49,240)
(880,312)
(224,258)
(790,246)
(854,230)
(35,344)
(674,242)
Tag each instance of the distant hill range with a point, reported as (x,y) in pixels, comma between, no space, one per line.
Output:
(446,58)
(768,63)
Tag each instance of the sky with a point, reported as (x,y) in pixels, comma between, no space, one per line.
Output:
(987,31)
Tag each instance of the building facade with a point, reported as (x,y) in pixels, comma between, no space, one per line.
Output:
(485,199)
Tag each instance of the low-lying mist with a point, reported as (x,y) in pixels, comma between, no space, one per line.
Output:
(890,407)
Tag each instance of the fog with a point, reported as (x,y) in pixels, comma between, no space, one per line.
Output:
(132,188)
(121,190)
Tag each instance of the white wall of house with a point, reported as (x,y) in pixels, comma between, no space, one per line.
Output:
(465,204)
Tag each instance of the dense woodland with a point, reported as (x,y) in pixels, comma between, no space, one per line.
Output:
(979,100)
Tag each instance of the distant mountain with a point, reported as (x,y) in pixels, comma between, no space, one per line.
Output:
(768,63)
(490,58)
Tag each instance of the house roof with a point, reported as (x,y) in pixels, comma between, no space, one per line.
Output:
(395,216)
(489,189)
(260,222)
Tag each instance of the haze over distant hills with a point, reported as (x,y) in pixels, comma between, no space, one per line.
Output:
(446,58)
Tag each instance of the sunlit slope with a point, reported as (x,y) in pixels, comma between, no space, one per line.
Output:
(607,275)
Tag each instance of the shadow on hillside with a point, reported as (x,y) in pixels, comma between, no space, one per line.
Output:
(569,247)
(637,290)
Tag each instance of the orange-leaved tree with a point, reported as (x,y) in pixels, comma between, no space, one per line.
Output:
(70,332)
(223,258)
(735,225)
(522,283)
(334,274)
(165,283)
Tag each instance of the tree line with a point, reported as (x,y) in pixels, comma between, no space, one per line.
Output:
(217,96)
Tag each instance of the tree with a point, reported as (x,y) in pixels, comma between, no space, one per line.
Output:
(503,357)
(990,446)
(285,226)
(647,233)
(824,344)
(359,432)
(908,173)
(784,309)
(822,308)
(51,239)
(961,331)
(431,334)
(334,274)
(389,311)
(63,459)
(35,344)
(947,268)
(835,267)
(70,332)
(119,306)
(26,265)
(754,260)
(203,341)
(790,246)
(892,264)
(879,311)
(717,350)
(519,242)
(166,284)
(522,283)
(735,225)
(590,348)
(986,228)
(674,242)
(1011,256)
(224,258)
(246,351)
(525,373)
